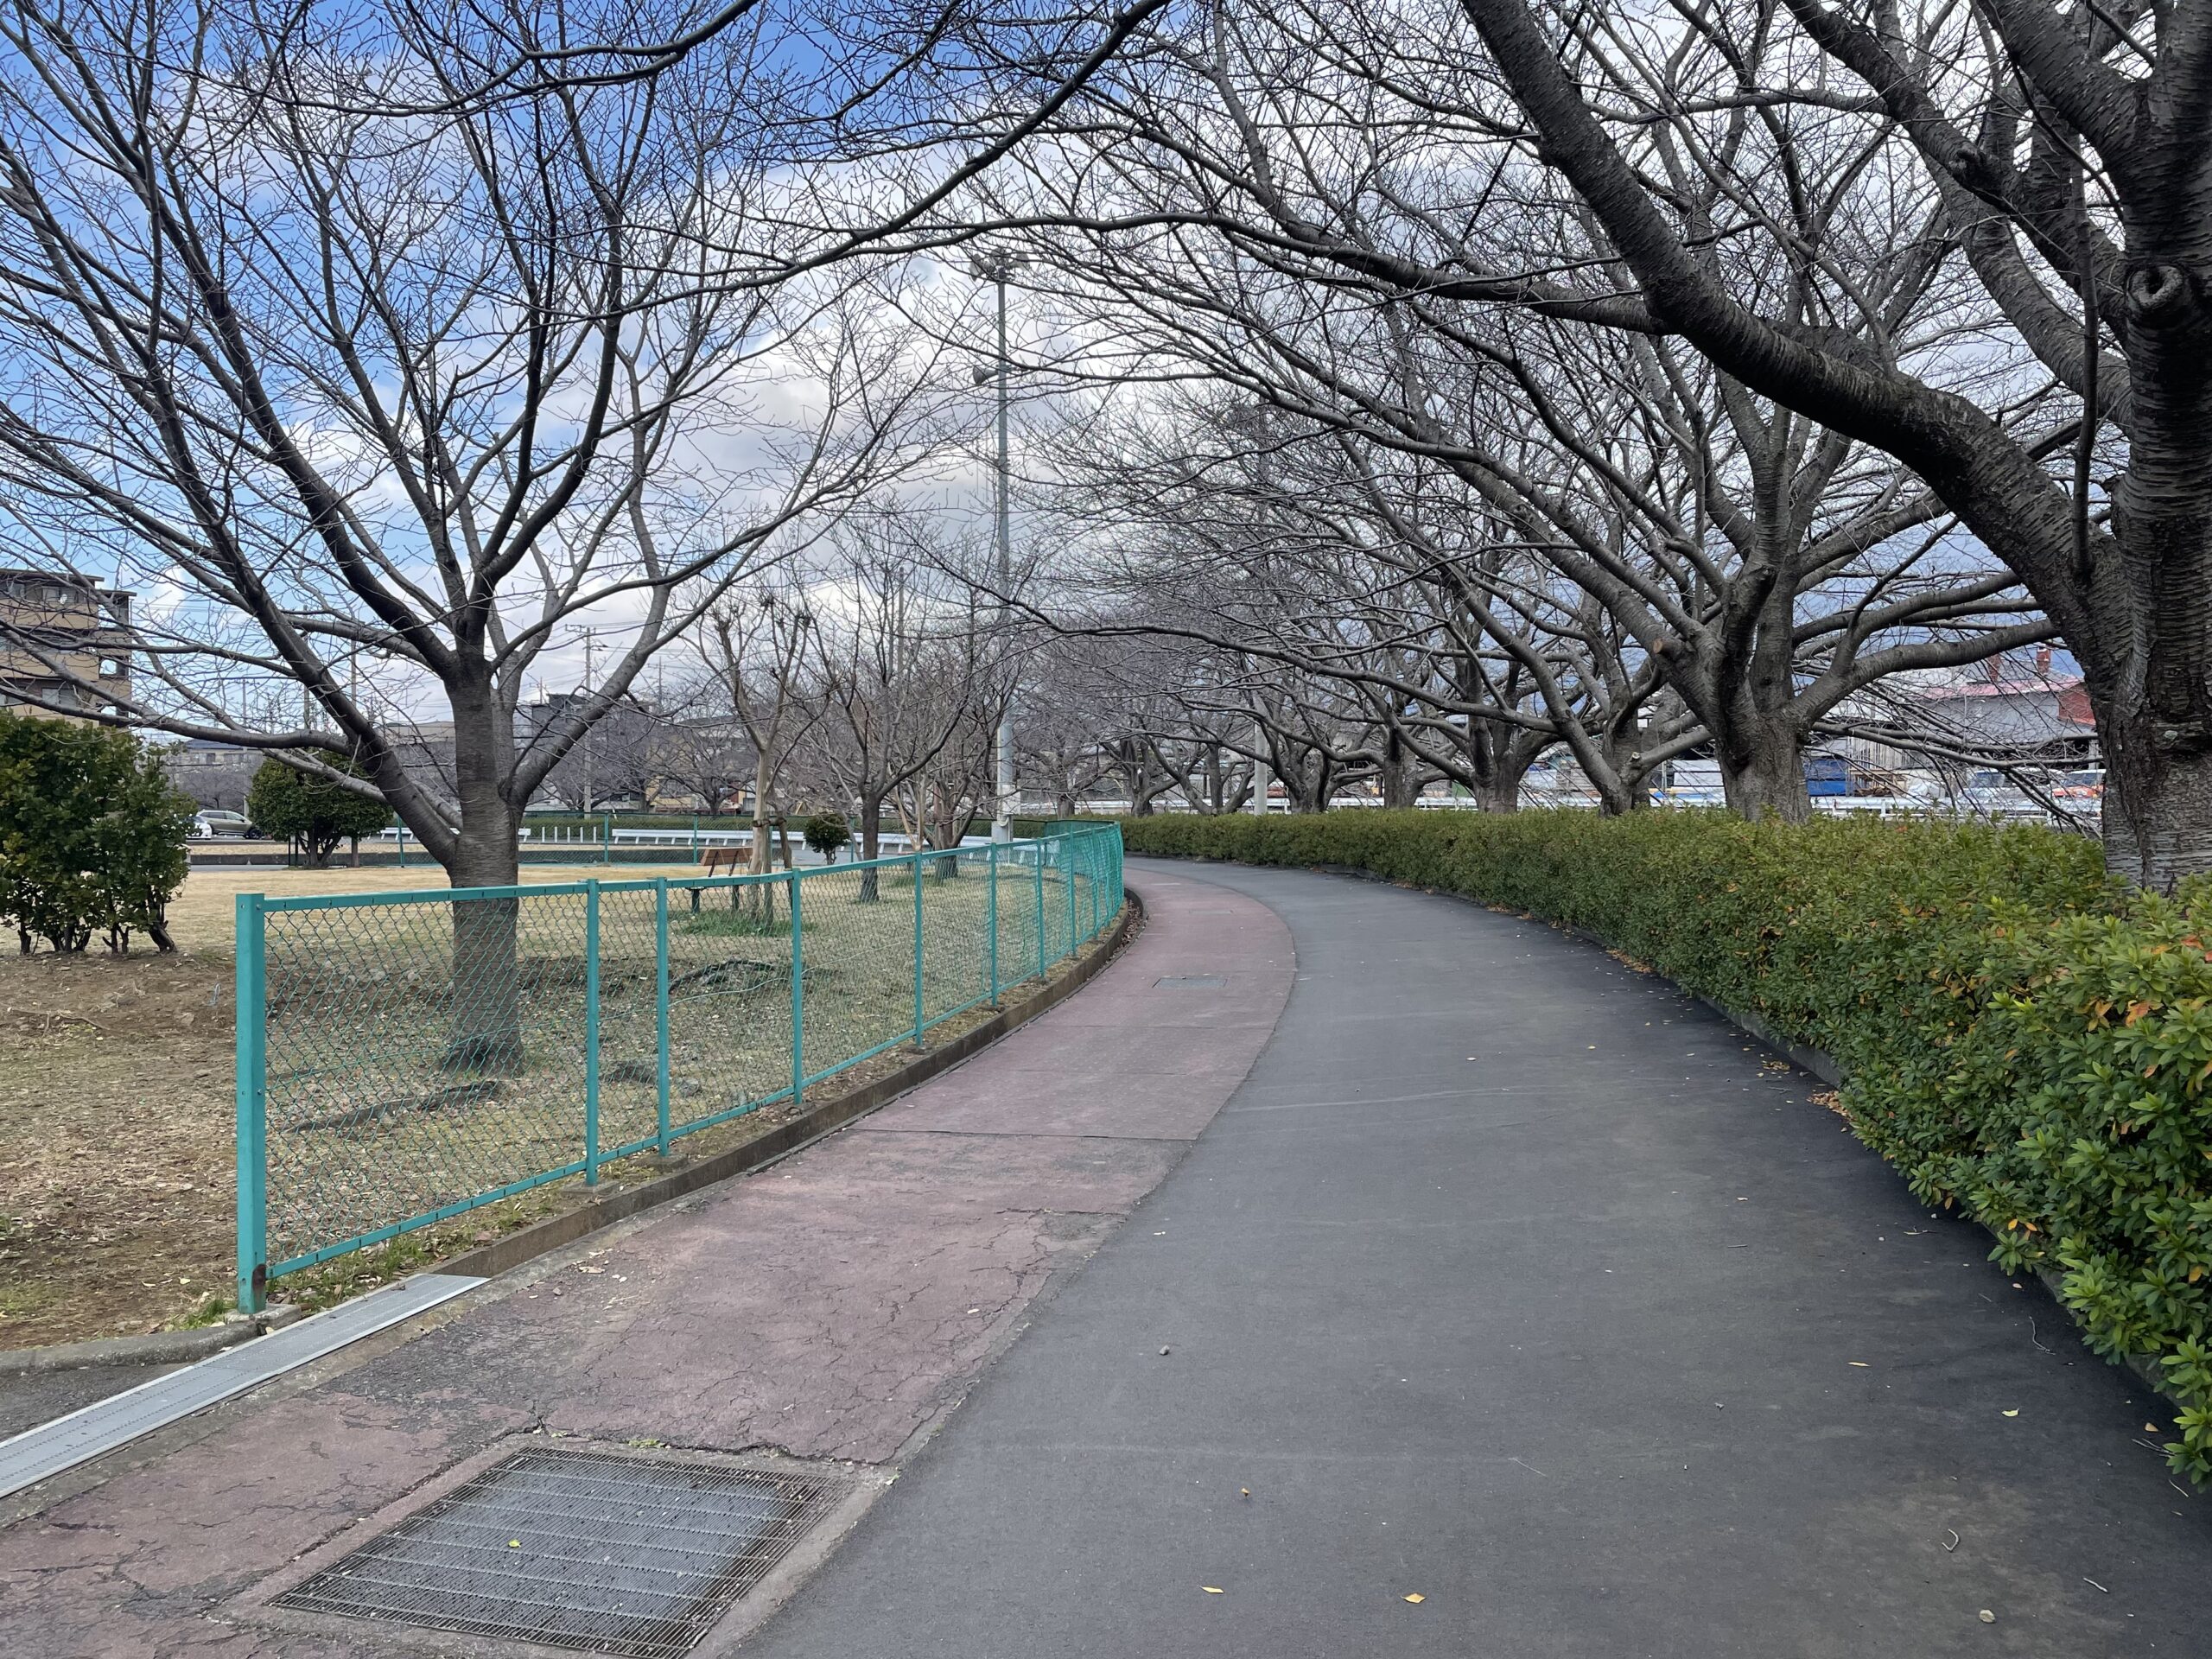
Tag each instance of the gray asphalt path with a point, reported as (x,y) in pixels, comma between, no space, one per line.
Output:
(1514,1281)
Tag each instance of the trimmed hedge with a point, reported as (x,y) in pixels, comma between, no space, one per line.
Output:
(2022,1037)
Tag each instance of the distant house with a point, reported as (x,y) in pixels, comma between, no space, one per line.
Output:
(2028,713)
(65,644)
(214,774)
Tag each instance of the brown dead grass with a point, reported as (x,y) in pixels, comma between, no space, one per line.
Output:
(117,1108)
(117,1159)
(203,915)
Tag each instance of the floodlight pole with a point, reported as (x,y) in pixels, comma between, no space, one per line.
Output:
(994,268)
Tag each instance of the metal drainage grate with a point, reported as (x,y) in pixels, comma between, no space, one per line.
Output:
(1191,982)
(578,1549)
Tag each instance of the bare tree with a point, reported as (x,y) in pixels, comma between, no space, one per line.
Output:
(701,748)
(899,675)
(757,645)
(1658,175)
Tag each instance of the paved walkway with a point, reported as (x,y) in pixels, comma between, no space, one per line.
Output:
(836,1306)
(1508,1278)
(1518,1282)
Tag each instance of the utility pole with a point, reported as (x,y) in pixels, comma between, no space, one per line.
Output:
(591,645)
(995,268)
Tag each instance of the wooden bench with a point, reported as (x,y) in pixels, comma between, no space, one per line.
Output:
(735,859)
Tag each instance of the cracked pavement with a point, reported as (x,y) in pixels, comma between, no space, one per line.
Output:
(838,1305)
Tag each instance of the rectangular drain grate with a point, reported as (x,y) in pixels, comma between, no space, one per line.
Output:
(589,1550)
(1191,982)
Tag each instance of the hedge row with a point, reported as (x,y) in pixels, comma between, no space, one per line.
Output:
(2023,1039)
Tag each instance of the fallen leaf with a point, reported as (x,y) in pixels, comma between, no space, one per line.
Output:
(1210,1589)
(1416,1599)
(1987,1617)
(2014,1413)
(1862,1364)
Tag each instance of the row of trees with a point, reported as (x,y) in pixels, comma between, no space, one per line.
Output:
(1483,381)
(1787,345)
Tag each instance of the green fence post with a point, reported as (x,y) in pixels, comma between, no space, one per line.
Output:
(606,838)
(991,911)
(660,1011)
(1039,847)
(591,1031)
(798,998)
(918,943)
(695,837)
(403,845)
(253,1007)
(1067,874)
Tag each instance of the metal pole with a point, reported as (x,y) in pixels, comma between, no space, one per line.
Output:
(253,994)
(798,992)
(606,838)
(591,1031)
(1002,817)
(660,1013)
(918,945)
(1039,846)
(991,912)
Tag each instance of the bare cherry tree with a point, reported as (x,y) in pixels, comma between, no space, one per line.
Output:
(759,642)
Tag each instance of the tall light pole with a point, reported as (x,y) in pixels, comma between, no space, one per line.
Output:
(1253,420)
(995,268)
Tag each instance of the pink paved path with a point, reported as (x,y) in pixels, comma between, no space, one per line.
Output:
(837,1305)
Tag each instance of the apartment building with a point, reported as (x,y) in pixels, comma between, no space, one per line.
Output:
(63,643)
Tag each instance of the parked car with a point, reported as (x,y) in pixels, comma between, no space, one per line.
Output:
(2083,788)
(216,824)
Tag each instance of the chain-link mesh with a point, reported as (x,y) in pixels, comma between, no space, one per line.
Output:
(404,1057)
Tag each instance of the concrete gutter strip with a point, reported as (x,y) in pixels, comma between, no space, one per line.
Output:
(153,1347)
(156,1348)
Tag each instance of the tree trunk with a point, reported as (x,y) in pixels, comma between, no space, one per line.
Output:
(1500,791)
(1762,774)
(871,846)
(486,1031)
(2157,801)
(1400,779)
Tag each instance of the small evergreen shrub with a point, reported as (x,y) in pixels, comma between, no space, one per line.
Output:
(92,836)
(826,832)
(294,805)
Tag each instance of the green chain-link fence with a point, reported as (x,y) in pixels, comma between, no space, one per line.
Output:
(403,1058)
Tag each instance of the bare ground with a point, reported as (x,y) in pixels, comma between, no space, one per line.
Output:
(117,1159)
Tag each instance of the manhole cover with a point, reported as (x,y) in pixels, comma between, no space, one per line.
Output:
(578,1549)
(1191,982)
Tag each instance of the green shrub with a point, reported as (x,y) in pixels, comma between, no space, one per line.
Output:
(294,805)
(2021,1038)
(92,834)
(826,832)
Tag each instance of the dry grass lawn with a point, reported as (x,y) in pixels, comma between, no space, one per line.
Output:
(118,1170)
(116,1091)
